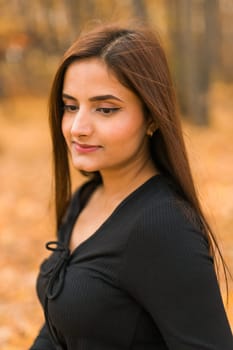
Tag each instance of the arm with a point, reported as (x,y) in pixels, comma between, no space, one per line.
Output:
(167,268)
(43,340)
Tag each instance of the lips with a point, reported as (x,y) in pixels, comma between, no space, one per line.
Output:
(85,148)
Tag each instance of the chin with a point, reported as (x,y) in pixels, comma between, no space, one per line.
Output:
(85,169)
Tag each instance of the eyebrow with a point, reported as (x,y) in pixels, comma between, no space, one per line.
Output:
(94,98)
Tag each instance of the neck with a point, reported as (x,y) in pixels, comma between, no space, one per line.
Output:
(118,184)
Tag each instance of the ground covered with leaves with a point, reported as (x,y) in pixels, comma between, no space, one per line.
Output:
(25,208)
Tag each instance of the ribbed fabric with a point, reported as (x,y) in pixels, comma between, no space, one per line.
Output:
(144,280)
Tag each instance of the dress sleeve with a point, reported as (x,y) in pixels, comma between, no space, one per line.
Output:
(43,340)
(168,270)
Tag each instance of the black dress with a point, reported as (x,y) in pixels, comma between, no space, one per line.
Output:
(144,280)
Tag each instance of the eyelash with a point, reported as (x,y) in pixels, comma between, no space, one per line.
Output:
(107,110)
(104,110)
(70,108)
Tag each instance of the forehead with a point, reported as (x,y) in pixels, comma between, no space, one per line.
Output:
(86,78)
(91,69)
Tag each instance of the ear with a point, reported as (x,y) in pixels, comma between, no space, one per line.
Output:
(152,126)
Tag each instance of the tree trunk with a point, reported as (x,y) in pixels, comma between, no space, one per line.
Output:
(139,9)
(193,26)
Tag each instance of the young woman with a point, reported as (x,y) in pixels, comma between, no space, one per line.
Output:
(133,264)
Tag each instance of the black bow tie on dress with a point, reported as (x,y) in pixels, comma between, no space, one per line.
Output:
(57,273)
(54,270)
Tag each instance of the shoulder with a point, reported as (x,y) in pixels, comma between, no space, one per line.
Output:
(166,239)
(167,223)
(163,209)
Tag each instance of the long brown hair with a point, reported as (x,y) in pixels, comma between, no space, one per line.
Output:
(137,59)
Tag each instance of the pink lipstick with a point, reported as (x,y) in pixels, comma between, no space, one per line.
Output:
(85,148)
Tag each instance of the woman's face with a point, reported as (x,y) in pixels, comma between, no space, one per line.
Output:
(103,121)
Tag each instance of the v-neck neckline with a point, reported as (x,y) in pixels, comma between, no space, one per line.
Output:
(74,216)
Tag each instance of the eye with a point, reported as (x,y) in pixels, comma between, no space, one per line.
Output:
(70,108)
(107,110)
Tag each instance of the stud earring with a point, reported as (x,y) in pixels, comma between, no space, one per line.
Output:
(150,133)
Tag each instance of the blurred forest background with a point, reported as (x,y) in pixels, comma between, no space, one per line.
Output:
(198,37)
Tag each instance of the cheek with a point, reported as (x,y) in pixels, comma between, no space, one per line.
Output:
(65,127)
(133,130)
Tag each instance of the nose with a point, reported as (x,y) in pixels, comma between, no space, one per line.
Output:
(82,124)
